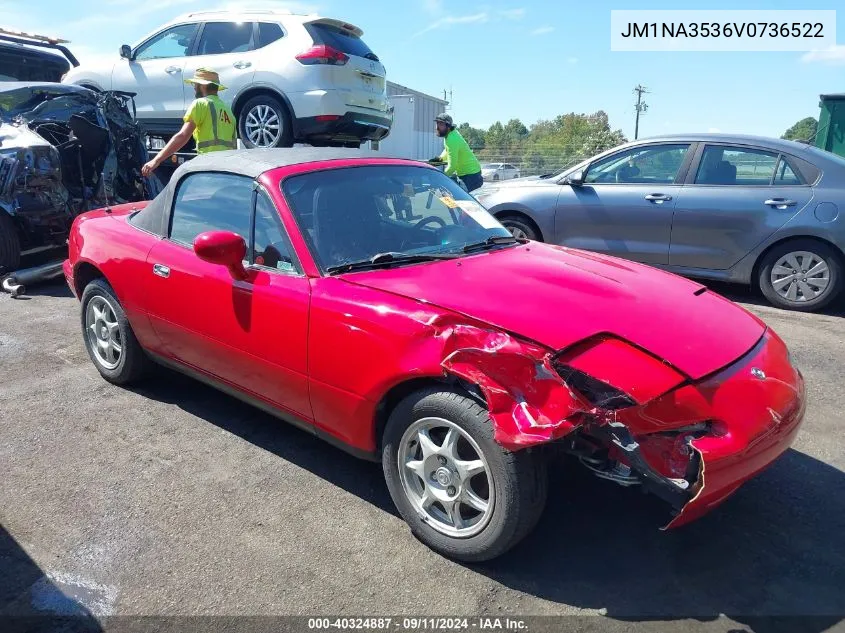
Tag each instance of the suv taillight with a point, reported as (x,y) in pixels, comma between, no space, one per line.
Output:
(322,54)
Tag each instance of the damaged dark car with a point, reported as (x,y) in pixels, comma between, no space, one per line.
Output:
(63,150)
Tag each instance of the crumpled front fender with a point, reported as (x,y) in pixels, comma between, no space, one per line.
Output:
(741,422)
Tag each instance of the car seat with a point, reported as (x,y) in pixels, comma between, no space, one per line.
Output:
(346,224)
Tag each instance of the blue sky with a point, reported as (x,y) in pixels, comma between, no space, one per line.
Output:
(519,58)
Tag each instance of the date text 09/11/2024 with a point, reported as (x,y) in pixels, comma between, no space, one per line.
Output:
(419,624)
(718,29)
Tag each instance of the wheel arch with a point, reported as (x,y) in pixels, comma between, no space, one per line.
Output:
(402,390)
(83,274)
(256,91)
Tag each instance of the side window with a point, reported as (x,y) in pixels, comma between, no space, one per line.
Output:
(269,32)
(272,247)
(722,165)
(211,202)
(658,164)
(784,174)
(173,42)
(219,38)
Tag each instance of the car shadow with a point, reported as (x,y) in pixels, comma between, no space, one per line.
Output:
(31,601)
(743,294)
(361,478)
(771,557)
(774,549)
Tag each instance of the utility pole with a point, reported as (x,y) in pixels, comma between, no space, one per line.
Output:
(641,107)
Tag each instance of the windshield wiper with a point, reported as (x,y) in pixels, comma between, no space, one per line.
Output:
(494,240)
(388,259)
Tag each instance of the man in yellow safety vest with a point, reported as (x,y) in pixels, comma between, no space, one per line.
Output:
(208,119)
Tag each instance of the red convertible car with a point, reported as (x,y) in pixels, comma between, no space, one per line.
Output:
(375,303)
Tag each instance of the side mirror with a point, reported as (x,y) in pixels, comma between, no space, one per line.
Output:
(126,52)
(224,248)
(576,179)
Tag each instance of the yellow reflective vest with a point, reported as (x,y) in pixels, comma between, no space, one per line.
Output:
(216,128)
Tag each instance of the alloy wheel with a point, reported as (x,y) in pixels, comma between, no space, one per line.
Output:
(263,126)
(103,332)
(445,477)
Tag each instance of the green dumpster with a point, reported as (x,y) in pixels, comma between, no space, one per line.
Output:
(831,133)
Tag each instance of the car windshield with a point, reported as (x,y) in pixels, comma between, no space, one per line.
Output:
(390,214)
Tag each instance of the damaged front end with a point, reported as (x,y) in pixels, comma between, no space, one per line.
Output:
(63,150)
(633,419)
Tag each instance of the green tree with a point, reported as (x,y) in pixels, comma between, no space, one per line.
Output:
(804,130)
(474,136)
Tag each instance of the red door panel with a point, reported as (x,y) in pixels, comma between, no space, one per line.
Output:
(252,334)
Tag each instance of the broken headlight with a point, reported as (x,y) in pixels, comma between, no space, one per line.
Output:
(596,392)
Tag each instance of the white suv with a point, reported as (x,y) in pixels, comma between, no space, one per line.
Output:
(289,78)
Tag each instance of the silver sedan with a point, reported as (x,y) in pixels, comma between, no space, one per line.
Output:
(750,210)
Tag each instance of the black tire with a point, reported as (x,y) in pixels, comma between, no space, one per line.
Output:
(10,245)
(495,176)
(133,362)
(519,479)
(830,256)
(285,138)
(519,223)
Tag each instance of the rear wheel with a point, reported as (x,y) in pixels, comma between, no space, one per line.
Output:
(10,246)
(264,122)
(519,227)
(461,493)
(801,275)
(108,337)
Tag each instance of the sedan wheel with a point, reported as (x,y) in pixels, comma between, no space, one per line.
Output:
(445,477)
(801,275)
(519,227)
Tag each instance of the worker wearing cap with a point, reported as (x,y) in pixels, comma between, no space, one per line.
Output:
(460,161)
(208,119)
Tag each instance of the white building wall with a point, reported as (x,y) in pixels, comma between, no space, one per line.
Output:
(412,133)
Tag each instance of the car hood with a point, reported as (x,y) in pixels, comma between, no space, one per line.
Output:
(527,181)
(558,297)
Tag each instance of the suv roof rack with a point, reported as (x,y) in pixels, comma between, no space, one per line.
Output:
(42,41)
(243,11)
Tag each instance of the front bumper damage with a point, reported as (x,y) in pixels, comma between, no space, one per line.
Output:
(632,418)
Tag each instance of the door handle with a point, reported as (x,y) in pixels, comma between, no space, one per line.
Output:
(780,203)
(172,69)
(161,270)
(658,197)
(242,64)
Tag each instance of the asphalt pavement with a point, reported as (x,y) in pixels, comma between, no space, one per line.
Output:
(174,499)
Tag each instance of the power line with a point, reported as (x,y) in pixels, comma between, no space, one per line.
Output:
(641,107)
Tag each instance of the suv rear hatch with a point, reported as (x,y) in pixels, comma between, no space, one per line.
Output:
(349,63)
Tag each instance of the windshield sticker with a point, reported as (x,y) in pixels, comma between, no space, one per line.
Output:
(449,201)
(479,214)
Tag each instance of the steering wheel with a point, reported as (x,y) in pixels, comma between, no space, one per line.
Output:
(428,220)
